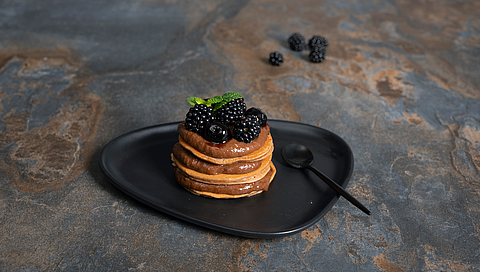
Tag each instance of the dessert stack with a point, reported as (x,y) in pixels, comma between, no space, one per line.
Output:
(224,149)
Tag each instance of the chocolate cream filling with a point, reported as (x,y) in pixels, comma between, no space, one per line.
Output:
(199,165)
(230,149)
(237,189)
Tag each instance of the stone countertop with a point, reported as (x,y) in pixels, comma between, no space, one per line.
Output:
(399,84)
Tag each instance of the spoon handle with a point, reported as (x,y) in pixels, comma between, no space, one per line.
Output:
(339,189)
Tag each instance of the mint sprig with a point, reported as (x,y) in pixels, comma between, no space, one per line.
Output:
(217,101)
(225,99)
(195,100)
(214,100)
(230,96)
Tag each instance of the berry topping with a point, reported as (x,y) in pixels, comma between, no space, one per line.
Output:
(276,58)
(198,117)
(317,54)
(317,41)
(231,111)
(247,129)
(213,117)
(297,42)
(262,118)
(217,132)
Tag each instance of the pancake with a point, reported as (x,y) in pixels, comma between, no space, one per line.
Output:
(259,154)
(224,196)
(226,191)
(230,149)
(226,179)
(190,161)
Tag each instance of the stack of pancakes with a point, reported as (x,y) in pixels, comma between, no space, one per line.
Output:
(230,170)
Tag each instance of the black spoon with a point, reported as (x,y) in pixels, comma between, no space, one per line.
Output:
(299,156)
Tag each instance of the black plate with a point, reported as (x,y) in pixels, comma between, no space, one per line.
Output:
(138,163)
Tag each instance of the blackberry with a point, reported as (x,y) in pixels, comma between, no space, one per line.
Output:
(231,112)
(217,132)
(276,58)
(262,118)
(198,117)
(317,41)
(297,42)
(317,54)
(247,129)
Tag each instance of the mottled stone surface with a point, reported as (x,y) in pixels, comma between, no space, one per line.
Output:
(400,84)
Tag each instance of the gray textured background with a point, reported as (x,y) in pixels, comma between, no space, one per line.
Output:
(400,84)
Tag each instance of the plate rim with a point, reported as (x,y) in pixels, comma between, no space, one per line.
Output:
(215,226)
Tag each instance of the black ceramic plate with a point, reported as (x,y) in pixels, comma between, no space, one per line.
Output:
(138,163)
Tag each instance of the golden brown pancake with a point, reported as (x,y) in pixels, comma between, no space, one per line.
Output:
(226,191)
(259,154)
(230,149)
(190,161)
(225,179)
(224,196)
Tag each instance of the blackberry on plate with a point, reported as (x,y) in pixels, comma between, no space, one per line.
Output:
(297,42)
(317,54)
(198,117)
(262,117)
(247,129)
(231,112)
(217,132)
(317,41)
(276,58)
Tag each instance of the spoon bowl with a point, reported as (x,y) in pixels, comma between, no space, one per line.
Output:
(300,157)
(297,155)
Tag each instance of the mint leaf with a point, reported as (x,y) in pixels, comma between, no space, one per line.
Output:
(214,100)
(191,101)
(218,101)
(219,105)
(230,96)
(225,98)
(195,100)
(199,100)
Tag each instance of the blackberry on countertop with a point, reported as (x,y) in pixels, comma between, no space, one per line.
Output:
(262,117)
(217,132)
(317,54)
(198,117)
(297,42)
(246,129)
(276,58)
(231,111)
(317,41)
